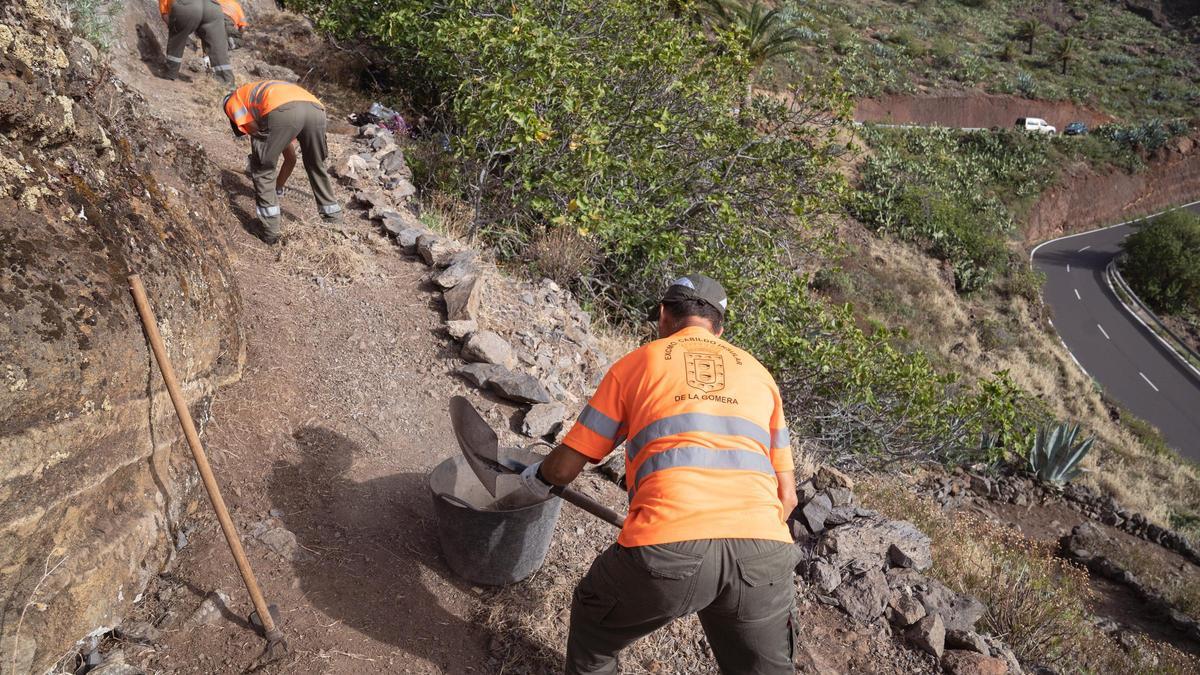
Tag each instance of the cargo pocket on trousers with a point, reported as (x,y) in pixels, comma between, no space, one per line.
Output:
(768,589)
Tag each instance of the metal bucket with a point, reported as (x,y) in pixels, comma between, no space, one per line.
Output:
(490,540)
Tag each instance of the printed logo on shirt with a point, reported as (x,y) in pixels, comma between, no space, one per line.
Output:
(705,371)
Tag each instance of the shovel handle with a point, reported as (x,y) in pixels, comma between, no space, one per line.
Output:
(590,505)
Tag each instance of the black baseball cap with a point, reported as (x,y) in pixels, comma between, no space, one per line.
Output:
(694,287)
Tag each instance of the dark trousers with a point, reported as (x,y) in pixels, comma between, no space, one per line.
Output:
(743,590)
(205,18)
(304,122)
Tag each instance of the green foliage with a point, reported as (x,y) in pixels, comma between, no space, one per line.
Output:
(1065,51)
(763,33)
(624,130)
(949,191)
(94,21)
(1029,31)
(1054,455)
(1162,263)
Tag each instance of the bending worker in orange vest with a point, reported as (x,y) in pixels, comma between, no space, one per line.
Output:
(709,472)
(274,113)
(235,21)
(205,18)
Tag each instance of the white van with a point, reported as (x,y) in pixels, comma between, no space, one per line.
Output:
(1035,124)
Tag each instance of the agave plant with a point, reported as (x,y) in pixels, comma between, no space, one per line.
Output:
(1055,454)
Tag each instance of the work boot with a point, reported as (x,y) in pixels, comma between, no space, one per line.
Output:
(269,230)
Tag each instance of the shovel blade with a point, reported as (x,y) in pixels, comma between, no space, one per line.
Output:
(478,442)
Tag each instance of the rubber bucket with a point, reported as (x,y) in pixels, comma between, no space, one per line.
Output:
(490,540)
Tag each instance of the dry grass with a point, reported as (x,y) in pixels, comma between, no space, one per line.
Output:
(1036,602)
(563,255)
(329,252)
(446,213)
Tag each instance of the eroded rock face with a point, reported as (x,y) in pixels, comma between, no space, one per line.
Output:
(91,468)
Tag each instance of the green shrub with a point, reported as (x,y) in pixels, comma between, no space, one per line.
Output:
(94,21)
(1162,262)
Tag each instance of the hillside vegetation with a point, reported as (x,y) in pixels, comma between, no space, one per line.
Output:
(1097,53)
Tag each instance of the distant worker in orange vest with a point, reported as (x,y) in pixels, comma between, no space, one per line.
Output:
(709,471)
(274,113)
(205,18)
(235,21)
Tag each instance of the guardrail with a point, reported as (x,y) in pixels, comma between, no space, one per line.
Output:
(1177,346)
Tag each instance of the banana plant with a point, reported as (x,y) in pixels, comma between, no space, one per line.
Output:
(1055,455)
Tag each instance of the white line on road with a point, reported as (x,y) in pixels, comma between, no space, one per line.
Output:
(1077,294)
(1068,268)
(1084,249)
(1103,331)
(1147,380)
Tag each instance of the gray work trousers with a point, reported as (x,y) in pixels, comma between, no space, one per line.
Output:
(205,18)
(305,122)
(743,590)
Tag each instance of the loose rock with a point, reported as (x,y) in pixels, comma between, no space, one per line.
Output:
(824,576)
(815,512)
(968,640)
(543,419)
(460,329)
(863,597)
(519,387)
(435,249)
(479,374)
(904,610)
(827,477)
(960,662)
(488,347)
(462,301)
(211,609)
(456,274)
(959,612)
(929,635)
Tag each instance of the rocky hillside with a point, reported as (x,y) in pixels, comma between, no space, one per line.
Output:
(91,190)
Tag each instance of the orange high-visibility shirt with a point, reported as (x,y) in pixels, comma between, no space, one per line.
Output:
(234,11)
(704,435)
(251,102)
(164,7)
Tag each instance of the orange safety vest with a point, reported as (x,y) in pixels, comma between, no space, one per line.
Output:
(251,102)
(233,10)
(706,436)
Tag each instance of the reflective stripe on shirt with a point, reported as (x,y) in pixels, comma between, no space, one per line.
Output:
(698,422)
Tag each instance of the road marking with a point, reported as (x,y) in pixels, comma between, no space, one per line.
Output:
(1084,249)
(1147,380)
(1068,268)
(1077,294)
(1103,331)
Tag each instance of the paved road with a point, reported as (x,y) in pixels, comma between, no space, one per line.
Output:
(1110,345)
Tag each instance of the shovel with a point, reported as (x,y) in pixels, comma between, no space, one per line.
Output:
(481,448)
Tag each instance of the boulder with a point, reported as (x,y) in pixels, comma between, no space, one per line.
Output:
(393,163)
(840,515)
(543,419)
(824,576)
(520,387)
(840,496)
(961,662)
(968,640)
(870,541)
(371,198)
(959,612)
(864,596)
(396,221)
(805,491)
(815,512)
(456,273)
(487,347)
(928,635)
(407,238)
(827,477)
(904,610)
(462,301)
(461,329)
(911,554)
(479,374)
(435,249)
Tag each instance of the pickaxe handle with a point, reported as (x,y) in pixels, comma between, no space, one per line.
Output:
(590,505)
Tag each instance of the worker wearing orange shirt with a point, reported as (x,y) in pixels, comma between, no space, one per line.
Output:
(205,18)
(235,21)
(709,471)
(274,113)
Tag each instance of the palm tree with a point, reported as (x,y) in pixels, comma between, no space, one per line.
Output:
(1065,51)
(1029,31)
(764,33)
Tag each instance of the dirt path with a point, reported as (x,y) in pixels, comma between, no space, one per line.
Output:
(338,417)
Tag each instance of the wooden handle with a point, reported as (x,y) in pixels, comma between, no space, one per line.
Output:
(206,474)
(590,505)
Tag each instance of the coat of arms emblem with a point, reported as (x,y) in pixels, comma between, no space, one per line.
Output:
(705,371)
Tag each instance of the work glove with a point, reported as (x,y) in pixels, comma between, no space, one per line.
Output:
(534,483)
